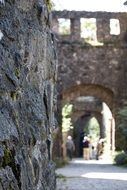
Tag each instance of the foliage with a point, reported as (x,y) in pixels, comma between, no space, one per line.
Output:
(64,26)
(66,117)
(93,128)
(49,4)
(60,176)
(67,110)
(88,29)
(121,129)
(121,158)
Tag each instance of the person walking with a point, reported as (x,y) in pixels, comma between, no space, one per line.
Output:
(86,152)
(99,148)
(70,147)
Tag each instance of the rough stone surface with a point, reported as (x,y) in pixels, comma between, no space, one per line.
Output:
(27,98)
(98,70)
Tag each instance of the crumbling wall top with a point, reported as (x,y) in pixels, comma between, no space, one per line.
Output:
(86,14)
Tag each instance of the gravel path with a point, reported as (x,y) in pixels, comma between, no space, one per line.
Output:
(91,175)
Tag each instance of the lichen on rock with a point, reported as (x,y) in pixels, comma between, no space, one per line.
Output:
(27,75)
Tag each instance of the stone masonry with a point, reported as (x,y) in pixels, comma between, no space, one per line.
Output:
(98,70)
(92,70)
(27,96)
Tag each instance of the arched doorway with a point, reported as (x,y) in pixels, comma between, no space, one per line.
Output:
(92,103)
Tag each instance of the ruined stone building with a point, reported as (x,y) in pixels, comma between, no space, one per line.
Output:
(95,70)
(90,76)
(27,97)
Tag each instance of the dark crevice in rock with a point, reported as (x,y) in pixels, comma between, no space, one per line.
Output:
(32,141)
(36,170)
(39,12)
(9,160)
(17,59)
(48,142)
(10,1)
(46,104)
(11,80)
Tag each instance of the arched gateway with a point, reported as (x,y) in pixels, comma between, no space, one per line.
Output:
(96,69)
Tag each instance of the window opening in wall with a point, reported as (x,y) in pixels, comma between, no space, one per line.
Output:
(88,30)
(64,26)
(114,27)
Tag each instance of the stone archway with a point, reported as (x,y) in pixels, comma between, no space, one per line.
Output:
(81,128)
(101,93)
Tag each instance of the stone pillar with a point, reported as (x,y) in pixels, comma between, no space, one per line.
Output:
(75,29)
(55,25)
(102,127)
(123,28)
(103,30)
(113,135)
(64,138)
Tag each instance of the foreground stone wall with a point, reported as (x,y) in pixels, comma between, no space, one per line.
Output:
(27,100)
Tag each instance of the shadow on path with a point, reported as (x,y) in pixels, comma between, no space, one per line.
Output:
(86,175)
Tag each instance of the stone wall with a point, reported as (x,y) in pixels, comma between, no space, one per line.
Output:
(98,69)
(102,22)
(27,98)
(82,64)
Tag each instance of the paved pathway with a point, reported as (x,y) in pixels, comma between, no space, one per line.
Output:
(91,175)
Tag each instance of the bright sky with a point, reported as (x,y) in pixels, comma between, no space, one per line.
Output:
(91,5)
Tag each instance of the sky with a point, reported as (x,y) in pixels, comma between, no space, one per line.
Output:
(91,5)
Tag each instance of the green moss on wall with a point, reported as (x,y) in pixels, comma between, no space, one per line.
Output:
(49,4)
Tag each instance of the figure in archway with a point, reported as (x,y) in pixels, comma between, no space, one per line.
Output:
(86,152)
(70,147)
(99,148)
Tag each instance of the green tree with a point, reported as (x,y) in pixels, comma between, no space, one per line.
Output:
(88,29)
(93,128)
(66,117)
(121,129)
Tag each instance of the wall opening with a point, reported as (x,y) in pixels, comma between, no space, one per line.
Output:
(88,30)
(64,26)
(114,27)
